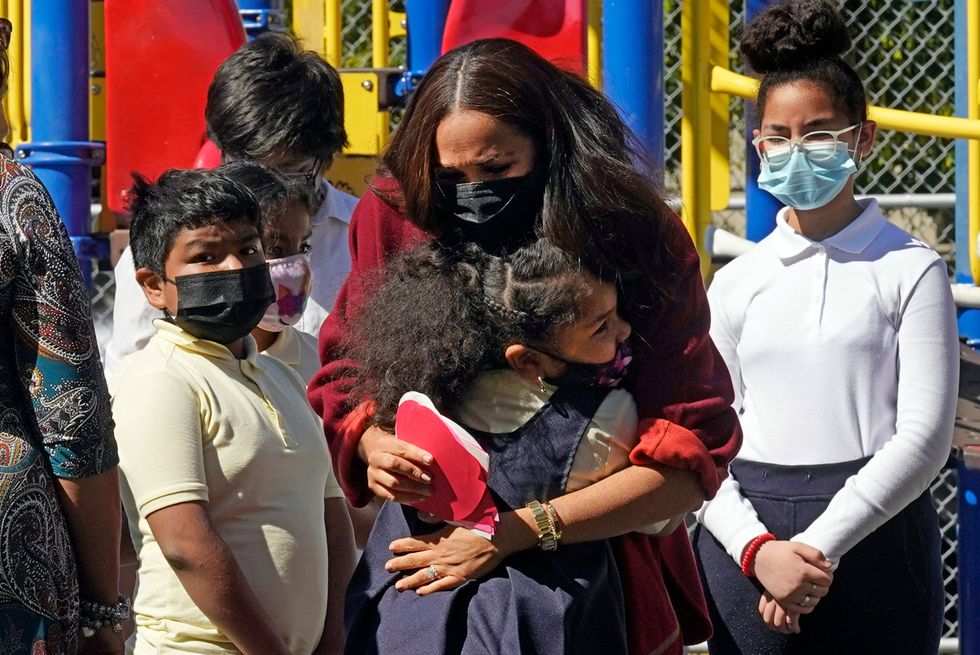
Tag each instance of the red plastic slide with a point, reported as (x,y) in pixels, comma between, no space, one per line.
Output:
(556,29)
(160,58)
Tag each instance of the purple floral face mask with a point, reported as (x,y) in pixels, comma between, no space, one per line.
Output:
(609,374)
(291,278)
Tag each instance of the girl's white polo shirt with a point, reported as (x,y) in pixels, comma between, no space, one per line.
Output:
(838,350)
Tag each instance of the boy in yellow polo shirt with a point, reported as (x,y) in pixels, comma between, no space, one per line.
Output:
(226,478)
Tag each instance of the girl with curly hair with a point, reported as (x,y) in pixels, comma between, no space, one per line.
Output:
(527,352)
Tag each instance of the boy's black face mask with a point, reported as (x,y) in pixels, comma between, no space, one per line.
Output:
(223,306)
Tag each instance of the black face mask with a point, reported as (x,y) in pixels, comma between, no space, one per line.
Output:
(223,306)
(496,215)
(608,374)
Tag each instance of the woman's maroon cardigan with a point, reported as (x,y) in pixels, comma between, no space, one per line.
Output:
(682,389)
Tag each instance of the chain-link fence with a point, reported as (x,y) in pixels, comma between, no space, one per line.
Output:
(903,51)
(356,34)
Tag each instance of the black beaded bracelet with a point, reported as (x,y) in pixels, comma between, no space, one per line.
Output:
(94,616)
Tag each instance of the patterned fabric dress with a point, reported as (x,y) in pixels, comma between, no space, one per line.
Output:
(55,417)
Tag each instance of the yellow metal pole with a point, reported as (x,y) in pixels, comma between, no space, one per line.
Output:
(946,127)
(973,146)
(595,44)
(695,117)
(19,92)
(332,33)
(719,48)
(380,37)
(25,53)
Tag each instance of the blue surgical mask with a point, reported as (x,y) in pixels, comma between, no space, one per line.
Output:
(802,183)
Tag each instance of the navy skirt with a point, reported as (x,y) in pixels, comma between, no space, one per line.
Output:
(887,594)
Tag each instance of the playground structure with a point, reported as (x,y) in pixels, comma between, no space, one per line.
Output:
(115,101)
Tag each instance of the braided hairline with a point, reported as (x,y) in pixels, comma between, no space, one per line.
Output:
(511,315)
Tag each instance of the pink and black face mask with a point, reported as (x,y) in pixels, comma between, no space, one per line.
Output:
(608,374)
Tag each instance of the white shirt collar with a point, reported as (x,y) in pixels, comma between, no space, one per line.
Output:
(858,235)
(336,205)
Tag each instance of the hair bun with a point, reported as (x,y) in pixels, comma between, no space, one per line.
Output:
(792,33)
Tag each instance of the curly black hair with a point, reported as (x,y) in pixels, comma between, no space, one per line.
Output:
(804,40)
(441,315)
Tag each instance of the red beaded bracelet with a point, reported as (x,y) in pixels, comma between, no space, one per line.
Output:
(748,557)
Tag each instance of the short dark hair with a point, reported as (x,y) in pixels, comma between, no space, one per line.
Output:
(274,192)
(272,99)
(182,200)
(441,316)
(804,41)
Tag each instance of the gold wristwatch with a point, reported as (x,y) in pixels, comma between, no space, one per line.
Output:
(548,532)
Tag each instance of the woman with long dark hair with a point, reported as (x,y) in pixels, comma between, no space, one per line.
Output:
(499,147)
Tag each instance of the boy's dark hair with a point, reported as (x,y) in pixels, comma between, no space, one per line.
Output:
(274,192)
(182,200)
(804,40)
(272,99)
(440,317)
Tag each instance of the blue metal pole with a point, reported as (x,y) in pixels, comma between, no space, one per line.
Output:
(426,24)
(61,154)
(260,16)
(633,68)
(967,547)
(760,206)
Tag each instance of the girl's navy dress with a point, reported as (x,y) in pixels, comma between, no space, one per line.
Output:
(549,603)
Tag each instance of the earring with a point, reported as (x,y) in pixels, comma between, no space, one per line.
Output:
(541,384)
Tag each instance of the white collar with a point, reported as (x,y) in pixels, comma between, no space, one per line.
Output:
(854,238)
(336,204)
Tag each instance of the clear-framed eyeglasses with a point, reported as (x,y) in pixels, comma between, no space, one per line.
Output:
(817,146)
(311,177)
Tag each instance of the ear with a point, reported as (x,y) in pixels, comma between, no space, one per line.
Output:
(756,132)
(866,138)
(152,285)
(526,361)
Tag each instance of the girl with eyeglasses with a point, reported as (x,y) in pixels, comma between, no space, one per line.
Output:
(839,333)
